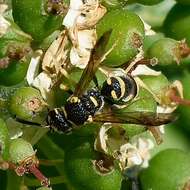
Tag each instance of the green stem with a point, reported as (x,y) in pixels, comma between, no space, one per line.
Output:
(52,152)
(38,135)
(33,134)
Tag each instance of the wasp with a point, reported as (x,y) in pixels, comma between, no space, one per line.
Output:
(87,105)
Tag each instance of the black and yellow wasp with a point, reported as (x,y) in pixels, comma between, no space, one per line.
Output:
(87,105)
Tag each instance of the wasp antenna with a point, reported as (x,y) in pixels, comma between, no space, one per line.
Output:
(26,122)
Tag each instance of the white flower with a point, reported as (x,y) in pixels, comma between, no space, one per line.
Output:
(144,70)
(79,56)
(4,24)
(73,13)
(33,68)
(80,21)
(55,57)
(136,153)
(101,141)
(41,81)
(83,14)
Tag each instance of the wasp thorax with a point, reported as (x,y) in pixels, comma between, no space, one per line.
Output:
(119,89)
(56,119)
(79,111)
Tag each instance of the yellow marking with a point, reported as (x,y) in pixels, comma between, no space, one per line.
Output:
(65,113)
(56,111)
(90,119)
(122,86)
(131,96)
(109,81)
(94,101)
(113,94)
(74,99)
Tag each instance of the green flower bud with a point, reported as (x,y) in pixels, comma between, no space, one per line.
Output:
(83,171)
(40,23)
(149,40)
(27,104)
(168,51)
(169,169)
(22,155)
(14,55)
(156,83)
(14,73)
(127,35)
(20,150)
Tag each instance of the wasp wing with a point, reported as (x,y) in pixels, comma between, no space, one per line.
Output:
(142,118)
(97,56)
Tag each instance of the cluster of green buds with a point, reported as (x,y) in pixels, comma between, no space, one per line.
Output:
(43,59)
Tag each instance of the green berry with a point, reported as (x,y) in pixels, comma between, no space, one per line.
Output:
(144,102)
(157,84)
(14,73)
(169,169)
(177,22)
(15,54)
(34,18)
(4,140)
(168,51)
(81,171)
(149,40)
(127,35)
(20,150)
(27,104)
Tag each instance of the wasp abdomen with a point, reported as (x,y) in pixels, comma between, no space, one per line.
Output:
(119,89)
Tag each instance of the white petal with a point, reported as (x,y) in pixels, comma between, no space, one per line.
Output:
(100,142)
(148,30)
(166,109)
(79,60)
(33,68)
(87,38)
(43,82)
(134,159)
(144,70)
(76,4)
(74,11)
(70,19)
